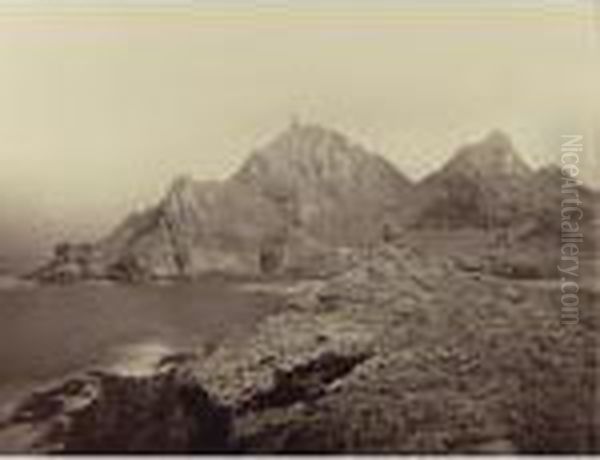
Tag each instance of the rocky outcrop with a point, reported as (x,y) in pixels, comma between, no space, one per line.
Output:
(404,353)
(101,413)
(457,367)
(292,205)
(531,245)
(72,262)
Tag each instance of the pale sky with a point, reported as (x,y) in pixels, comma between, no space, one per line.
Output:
(101,107)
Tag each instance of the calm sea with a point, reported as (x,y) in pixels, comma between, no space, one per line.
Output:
(50,331)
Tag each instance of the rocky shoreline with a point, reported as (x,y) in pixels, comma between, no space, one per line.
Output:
(403,353)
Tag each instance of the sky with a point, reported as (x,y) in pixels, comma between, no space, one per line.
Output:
(102,106)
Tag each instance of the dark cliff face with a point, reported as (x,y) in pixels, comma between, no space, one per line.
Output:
(308,191)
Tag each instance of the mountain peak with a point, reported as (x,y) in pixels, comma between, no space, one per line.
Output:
(498,140)
(307,150)
(494,155)
(306,138)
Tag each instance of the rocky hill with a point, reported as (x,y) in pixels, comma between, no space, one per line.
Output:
(480,186)
(291,204)
(507,213)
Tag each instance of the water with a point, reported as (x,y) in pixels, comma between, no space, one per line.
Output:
(50,331)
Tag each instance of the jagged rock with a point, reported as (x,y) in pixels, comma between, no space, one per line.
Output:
(71,262)
(382,275)
(286,345)
(108,413)
(290,206)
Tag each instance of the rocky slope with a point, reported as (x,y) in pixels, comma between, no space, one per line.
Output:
(480,186)
(308,191)
(507,214)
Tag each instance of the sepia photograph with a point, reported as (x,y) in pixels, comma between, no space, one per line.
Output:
(299,227)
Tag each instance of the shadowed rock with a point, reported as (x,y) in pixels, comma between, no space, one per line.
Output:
(106,413)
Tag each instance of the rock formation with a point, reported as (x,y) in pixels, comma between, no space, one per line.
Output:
(290,205)
(103,413)
(487,203)
(309,199)
(478,187)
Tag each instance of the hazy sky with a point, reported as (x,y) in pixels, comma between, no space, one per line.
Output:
(100,107)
